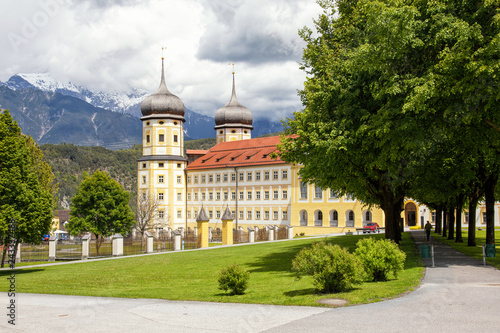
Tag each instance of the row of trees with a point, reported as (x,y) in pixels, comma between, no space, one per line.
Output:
(401,100)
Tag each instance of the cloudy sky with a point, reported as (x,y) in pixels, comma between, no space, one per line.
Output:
(117,45)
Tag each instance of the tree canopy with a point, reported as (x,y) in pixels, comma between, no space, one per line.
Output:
(388,83)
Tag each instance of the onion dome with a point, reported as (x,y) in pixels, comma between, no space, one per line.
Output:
(233,112)
(162,101)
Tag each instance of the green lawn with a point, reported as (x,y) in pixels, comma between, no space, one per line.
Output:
(477,251)
(192,275)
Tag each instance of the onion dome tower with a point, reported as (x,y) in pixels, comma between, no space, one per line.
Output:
(233,121)
(161,167)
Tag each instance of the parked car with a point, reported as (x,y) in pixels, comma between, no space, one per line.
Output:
(370,227)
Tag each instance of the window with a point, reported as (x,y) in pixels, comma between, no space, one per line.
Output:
(303,190)
(203,196)
(233,195)
(160,196)
(233,177)
(203,179)
(249,215)
(195,213)
(189,179)
(144,179)
(210,196)
(217,178)
(257,175)
(196,196)
(275,195)
(210,178)
(484,218)
(147,138)
(143,195)
(144,165)
(210,214)
(257,195)
(179,196)
(218,196)
(161,214)
(266,195)
(249,195)
(266,215)
(161,165)
(266,175)
(284,174)
(433,216)
(225,178)
(368,216)
(179,179)
(334,194)
(318,193)
(188,214)
(225,196)
(249,176)
(257,214)
(178,165)
(160,179)
(285,215)
(275,174)
(217,214)
(161,137)
(175,138)
(196,179)
(179,213)
(233,214)
(241,176)
(241,215)
(275,215)
(241,195)
(189,196)
(285,194)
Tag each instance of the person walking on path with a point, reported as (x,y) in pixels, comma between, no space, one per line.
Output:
(428,228)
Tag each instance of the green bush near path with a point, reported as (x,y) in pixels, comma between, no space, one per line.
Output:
(192,275)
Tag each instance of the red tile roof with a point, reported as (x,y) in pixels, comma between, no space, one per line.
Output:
(196,152)
(238,154)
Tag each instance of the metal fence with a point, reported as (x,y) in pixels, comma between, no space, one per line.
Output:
(35,252)
(68,250)
(261,235)
(282,233)
(105,250)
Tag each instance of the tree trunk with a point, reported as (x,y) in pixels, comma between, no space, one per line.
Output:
(460,203)
(98,243)
(471,237)
(445,222)
(439,220)
(4,253)
(392,210)
(451,223)
(489,193)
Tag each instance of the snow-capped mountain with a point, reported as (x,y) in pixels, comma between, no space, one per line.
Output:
(116,101)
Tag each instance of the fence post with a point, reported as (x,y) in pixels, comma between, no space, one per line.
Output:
(52,247)
(149,242)
(227,227)
(251,235)
(289,232)
(270,233)
(86,246)
(202,221)
(18,253)
(177,240)
(117,245)
(210,229)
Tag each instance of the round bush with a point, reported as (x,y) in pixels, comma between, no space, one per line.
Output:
(333,268)
(235,279)
(380,258)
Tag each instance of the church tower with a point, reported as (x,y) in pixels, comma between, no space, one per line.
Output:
(161,179)
(233,121)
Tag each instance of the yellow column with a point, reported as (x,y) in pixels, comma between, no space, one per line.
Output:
(227,227)
(202,222)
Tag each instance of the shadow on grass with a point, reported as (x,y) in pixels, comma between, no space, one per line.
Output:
(19,271)
(302,292)
(279,261)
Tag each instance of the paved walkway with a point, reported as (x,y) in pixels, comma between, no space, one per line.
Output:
(459,294)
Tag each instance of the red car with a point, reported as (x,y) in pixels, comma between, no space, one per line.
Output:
(370,227)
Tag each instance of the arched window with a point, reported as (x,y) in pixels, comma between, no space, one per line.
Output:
(318,218)
(349,219)
(303,218)
(334,218)
(368,216)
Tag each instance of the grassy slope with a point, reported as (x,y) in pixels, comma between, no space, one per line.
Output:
(193,275)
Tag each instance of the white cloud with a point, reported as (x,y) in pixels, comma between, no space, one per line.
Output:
(116,45)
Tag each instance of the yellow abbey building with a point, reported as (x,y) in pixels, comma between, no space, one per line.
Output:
(238,173)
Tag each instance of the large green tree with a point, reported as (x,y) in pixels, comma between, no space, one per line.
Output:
(387,81)
(26,187)
(101,207)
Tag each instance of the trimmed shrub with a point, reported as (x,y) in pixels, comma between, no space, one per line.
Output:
(380,258)
(235,279)
(332,267)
